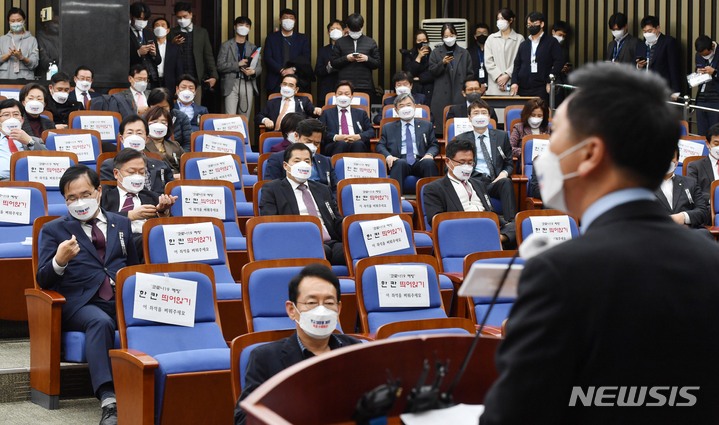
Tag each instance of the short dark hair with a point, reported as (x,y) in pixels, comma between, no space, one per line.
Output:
(607,95)
(136,69)
(75,172)
(702,43)
(188,77)
(619,19)
(84,68)
(355,22)
(183,6)
(649,20)
(288,11)
(336,21)
(243,20)
(470,79)
(126,155)
(310,126)
(455,146)
(138,7)
(30,86)
(293,76)
(158,95)
(59,77)
(561,26)
(345,83)
(313,270)
(530,106)
(131,119)
(289,123)
(156,112)
(295,147)
(713,131)
(16,11)
(161,19)
(507,13)
(10,103)
(418,32)
(402,76)
(536,16)
(478,104)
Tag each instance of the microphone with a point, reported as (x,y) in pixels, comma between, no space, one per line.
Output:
(535,244)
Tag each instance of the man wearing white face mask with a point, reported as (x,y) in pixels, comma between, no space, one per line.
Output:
(314,305)
(623,47)
(283,49)
(185,92)
(83,92)
(706,170)
(325,73)
(134,99)
(707,62)
(356,55)
(170,68)
(59,102)
(590,309)
(348,129)
(12,137)
(79,257)
(408,145)
(275,109)
(143,45)
(659,53)
(299,195)
(239,64)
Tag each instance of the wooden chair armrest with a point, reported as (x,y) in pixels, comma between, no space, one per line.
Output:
(492,331)
(365,337)
(456,277)
(45,296)
(533,204)
(133,375)
(44,308)
(389,329)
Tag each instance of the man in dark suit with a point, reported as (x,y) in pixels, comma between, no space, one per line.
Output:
(458,191)
(348,129)
(355,56)
(313,288)
(275,109)
(472,92)
(143,46)
(79,257)
(326,75)
(185,91)
(83,92)
(171,65)
(308,132)
(659,53)
(298,195)
(133,100)
(589,330)
(59,104)
(706,170)
(283,50)
(408,145)
(494,158)
(402,82)
(623,47)
(476,52)
(130,198)
(532,65)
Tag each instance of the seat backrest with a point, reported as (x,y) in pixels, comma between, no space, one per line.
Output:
(86,144)
(11,91)
(225,122)
(554,223)
(107,123)
(20,204)
(359,165)
(511,113)
(218,141)
(359,245)
(240,350)
(214,166)
(45,167)
(284,236)
(368,195)
(424,223)
(533,145)
(451,244)
(268,139)
(387,293)
(203,198)
(690,146)
(459,125)
(155,338)
(714,201)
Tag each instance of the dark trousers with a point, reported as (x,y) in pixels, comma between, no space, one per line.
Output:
(503,190)
(421,168)
(334,253)
(539,91)
(333,148)
(97,320)
(706,119)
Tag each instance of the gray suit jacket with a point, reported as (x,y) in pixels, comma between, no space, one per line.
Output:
(391,141)
(228,65)
(500,149)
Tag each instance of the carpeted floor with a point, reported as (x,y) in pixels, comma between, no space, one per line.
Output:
(76,412)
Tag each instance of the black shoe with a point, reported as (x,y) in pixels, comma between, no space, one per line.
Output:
(109,415)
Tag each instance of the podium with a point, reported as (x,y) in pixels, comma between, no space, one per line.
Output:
(325,389)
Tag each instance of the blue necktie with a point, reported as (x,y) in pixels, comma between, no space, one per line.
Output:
(410,145)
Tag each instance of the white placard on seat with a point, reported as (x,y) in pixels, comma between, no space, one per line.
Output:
(557,227)
(15,205)
(212,143)
(229,124)
(190,242)
(79,144)
(690,148)
(361,168)
(539,146)
(372,198)
(47,169)
(462,125)
(11,94)
(102,123)
(402,286)
(165,299)
(384,236)
(220,168)
(203,201)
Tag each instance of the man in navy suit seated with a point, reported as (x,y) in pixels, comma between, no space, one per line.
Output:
(348,129)
(83,92)
(314,297)
(409,145)
(79,256)
(185,90)
(275,109)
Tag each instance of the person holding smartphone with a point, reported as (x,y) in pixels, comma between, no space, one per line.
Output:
(143,45)
(416,62)
(707,62)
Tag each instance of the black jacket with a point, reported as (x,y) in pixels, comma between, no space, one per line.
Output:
(360,73)
(549,60)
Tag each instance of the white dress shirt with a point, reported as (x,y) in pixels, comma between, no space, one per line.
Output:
(161,49)
(301,202)
(481,166)
(136,224)
(350,127)
(87,228)
(470,200)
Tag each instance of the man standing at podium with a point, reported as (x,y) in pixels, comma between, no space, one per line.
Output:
(619,324)
(314,305)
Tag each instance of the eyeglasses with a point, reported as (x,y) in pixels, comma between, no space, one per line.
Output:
(6,115)
(84,195)
(331,304)
(463,163)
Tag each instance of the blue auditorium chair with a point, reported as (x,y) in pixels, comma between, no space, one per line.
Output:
(231,142)
(207,122)
(89,157)
(80,119)
(524,223)
(527,168)
(22,170)
(240,351)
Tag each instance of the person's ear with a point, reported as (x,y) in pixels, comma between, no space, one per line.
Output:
(291,310)
(593,156)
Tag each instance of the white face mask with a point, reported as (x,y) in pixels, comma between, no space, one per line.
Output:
(11,124)
(60,97)
(318,323)
(242,30)
(140,86)
(710,56)
(502,24)
(551,180)
(617,34)
(714,151)
(301,171)
(406,113)
(535,122)
(336,34)
(160,32)
(288,24)
(133,183)
(83,209)
(312,147)
(355,34)
(287,91)
(140,25)
(184,22)
(462,172)
(158,130)
(449,41)
(34,107)
(672,167)
(402,90)
(650,38)
(186,96)
(559,38)
(17,26)
(83,85)
(292,137)
(343,101)
(134,142)
(480,121)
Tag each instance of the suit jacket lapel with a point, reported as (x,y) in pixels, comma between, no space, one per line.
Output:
(677,192)
(291,353)
(494,153)
(75,228)
(111,238)
(452,198)
(419,135)
(663,199)
(483,197)
(708,169)
(289,196)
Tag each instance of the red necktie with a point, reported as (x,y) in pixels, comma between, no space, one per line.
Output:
(11,145)
(343,124)
(98,239)
(86,100)
(129,204)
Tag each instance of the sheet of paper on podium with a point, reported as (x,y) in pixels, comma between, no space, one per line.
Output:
(461,414)
(483,279)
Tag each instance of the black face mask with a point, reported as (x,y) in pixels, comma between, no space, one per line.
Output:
(473,97)
(481,39)
(534,29)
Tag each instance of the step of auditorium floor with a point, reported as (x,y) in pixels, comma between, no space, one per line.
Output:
(77,405)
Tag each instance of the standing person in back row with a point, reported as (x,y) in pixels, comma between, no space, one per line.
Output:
(355,56)
(539,56)
(500,50)
(284,50)
(659,53)
(623,47)
(240,66)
